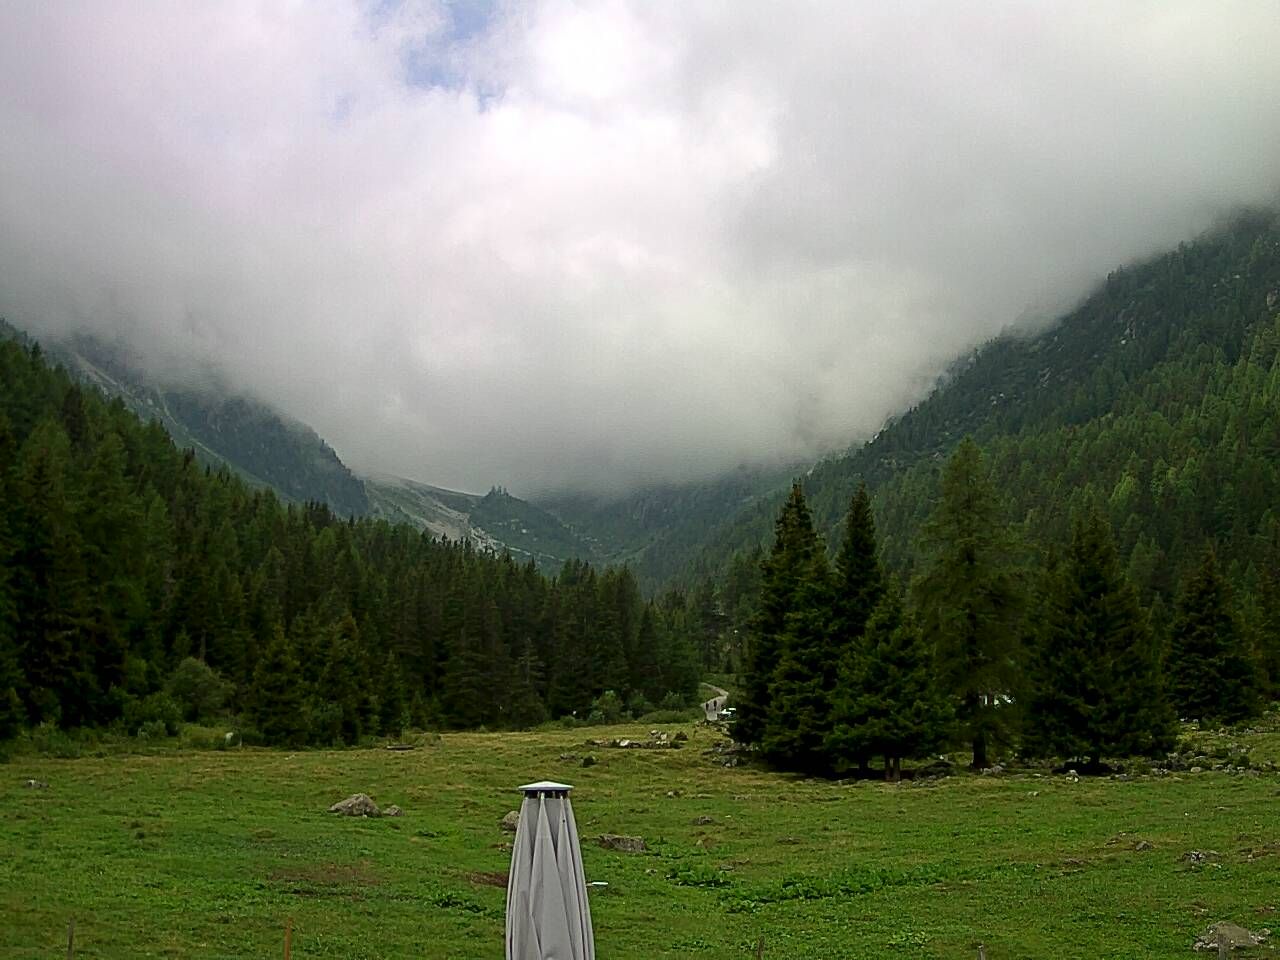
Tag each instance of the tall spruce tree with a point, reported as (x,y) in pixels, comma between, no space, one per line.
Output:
(971,600)
(887,701)
(859,574)
(798,721)
(1097,688)
(1212,676)
(1268,599)
(343,687)
(12,713)
(277,696)
(783,574)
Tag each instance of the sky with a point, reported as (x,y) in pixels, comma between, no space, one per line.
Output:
(594,245)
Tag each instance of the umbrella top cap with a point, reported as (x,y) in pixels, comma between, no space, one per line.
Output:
(545,786)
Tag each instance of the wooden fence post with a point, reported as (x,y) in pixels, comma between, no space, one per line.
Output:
(71,937)
(759,948)
(288,937)
(982,951)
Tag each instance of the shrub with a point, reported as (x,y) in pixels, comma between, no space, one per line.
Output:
(673,701)
(153,730)
(197,689)
(607,707)
(157,708)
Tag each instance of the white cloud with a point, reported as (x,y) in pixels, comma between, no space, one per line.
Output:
(588,243)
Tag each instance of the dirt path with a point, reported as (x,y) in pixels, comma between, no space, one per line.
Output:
(716,703)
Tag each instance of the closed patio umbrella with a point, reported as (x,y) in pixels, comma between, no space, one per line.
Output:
(548,917)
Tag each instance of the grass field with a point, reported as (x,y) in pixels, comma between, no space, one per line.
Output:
(206,854)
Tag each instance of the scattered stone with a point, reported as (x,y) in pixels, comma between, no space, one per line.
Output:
(589,760)
(1196,770)
(397,747)
(1198,857)
(356,805)
(1034,793)
(393,811)
(35,785)
(613,841)
(681,737)
(568,756)
(790,841)
(1143,845)
(673,793)
(660,742)
(993,771)
(1234,936)
(511,822)
(726,752)
(703,821)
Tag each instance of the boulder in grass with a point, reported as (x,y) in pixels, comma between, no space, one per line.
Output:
(511,822)
(392,811)
(1231,935)
(613,841)
(357,805)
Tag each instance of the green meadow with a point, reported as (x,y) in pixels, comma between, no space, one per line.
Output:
(212,853)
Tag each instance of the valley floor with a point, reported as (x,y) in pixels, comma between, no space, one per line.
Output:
(210,854)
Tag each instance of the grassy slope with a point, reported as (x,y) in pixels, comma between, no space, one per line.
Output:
(206,854)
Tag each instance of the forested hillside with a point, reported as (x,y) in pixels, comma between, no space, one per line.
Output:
(1158,398)
(223,428)
(268,449)
(137,585)
(655,528)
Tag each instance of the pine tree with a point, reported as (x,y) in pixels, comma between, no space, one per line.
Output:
(1268,622)
(12,713)
(859,575)
(278,694)
(887,700)
(1097,685)
(393,708)
(796,727)
(971,601)
(1212,676)
(783,574)
(342,690)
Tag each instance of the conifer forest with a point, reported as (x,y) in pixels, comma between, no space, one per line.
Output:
(1067,577)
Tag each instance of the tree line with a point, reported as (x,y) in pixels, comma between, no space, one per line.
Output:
(138,588)
(992,645)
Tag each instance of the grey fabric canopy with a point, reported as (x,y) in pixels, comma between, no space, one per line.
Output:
(548,917)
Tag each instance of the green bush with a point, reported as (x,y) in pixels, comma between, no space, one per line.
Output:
(158,708)
(673,701)
(197,689)
(606,708)
(153,730)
